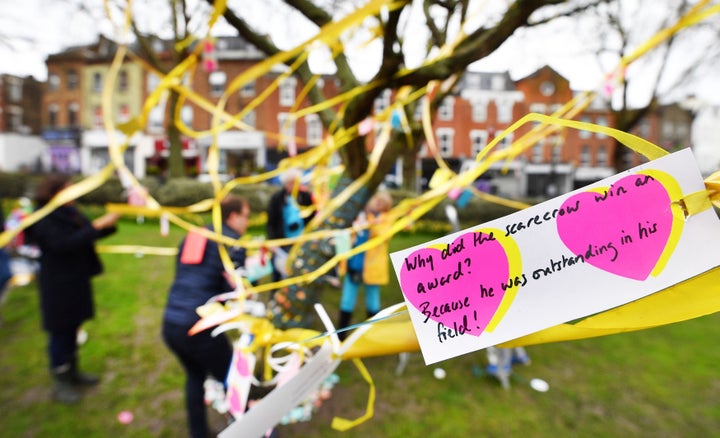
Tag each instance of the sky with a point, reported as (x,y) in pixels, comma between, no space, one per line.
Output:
(50,26)
(53,26)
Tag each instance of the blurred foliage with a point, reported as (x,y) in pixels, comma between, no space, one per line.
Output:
(180,192)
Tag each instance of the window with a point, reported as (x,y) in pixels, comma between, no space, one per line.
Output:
(97,116)
(668,129)
(156,119)
(123,81)
(681,130)
(72,78)
(478,141)
(287,127)
(498,83)
(97,82)
(539,108)
(15,89)
(583,133)
(537,152)
(547,88)
(15,120)
(382,101)
(152,82)
(287,91)
(627,158)
(479,110)
(53,82)
(505,142)
(52,115)
(217,83)
(445,141)
(314,129)
(556,150)
(124,113)
(249,118)
(504,110)
(644,128)
(73,109)
(445,111)
(585,155)
(602,156)
(602,121)
(248,89)
(186,115)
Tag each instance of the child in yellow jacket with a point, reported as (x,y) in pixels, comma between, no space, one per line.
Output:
(370,268)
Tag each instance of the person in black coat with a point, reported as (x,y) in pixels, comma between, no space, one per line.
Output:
(68,262)
(199,276)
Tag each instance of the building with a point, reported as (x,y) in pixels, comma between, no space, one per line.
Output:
(21,147)
(249,119)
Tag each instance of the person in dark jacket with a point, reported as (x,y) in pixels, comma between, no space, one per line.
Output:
(5,271)
(283,213)
(68,262)
(199,276)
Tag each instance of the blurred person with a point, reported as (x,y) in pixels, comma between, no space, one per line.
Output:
(199,276)
(5,271)
(368,269)
(283,215)
(68,261)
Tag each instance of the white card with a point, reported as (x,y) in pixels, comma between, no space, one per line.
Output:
(590,250)
(267,413)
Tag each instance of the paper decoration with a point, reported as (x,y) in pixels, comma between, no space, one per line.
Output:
(396,120)
(239,380)
(209,58)
(164,225)
(194,249)
(268,412)
(464,198)
(292,148)
(593,249)
(137,196)
(342,242)
(366,126)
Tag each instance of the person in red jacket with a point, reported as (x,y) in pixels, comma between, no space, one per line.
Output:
(199,276)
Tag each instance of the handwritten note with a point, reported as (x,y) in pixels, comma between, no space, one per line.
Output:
(585,252)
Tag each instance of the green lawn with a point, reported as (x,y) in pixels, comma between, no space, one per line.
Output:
(660,382)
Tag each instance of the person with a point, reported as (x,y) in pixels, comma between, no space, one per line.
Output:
(283,216)
(199,276)
(370,268)
(5,270)
(68,261)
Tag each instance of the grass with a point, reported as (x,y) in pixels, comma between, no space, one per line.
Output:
(659,382)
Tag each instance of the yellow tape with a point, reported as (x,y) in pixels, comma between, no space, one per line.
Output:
(136,249)
(342,424)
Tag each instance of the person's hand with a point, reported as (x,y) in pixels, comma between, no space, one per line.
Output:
(105,221)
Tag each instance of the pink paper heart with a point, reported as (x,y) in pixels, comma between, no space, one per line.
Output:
(622,229)
(457,285)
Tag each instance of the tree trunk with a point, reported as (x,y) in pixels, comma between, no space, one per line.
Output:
(176,163)
(292,306)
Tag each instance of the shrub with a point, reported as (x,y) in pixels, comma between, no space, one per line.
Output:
(181,192)
(110,191)
(16,185)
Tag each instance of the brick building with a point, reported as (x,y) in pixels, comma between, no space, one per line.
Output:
(20,107)
(261,128)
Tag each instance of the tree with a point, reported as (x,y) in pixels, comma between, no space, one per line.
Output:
(666,72)
(180,22)
(447,53)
